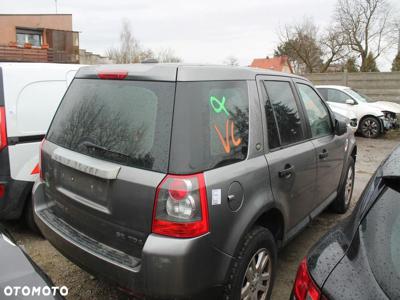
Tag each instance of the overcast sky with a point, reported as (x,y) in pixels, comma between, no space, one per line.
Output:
(205,31)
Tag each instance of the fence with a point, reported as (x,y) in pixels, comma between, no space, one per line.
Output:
(378,86)
(22,54)
(16,54)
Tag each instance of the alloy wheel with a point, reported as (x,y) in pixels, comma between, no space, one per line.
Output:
(349,186)
(256,281)
(370,128)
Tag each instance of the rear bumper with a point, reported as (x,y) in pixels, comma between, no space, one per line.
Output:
(168,267)
(14,192)
(14,199)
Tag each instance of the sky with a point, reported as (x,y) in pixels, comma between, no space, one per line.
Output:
(206,31)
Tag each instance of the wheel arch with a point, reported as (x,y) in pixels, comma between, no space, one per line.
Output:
(273,220)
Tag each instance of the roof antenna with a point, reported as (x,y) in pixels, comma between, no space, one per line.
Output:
(56,6)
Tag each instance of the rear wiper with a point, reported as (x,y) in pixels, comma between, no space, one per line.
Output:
(104,149)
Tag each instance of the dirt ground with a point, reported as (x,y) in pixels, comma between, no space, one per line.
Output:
(84,286)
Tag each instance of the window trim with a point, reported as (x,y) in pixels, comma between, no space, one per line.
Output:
(263,97)
(332,118)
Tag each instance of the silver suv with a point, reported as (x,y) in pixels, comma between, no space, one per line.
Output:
(177,181)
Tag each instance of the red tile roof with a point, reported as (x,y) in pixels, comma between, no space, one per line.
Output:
(276,63)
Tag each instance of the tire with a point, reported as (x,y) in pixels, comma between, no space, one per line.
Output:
(256,247)
(370,127)
(343,200)
(28,216)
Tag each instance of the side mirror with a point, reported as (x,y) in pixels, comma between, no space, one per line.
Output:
(350,102)
(340,127)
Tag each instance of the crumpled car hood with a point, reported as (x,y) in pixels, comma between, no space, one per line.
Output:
(387,106)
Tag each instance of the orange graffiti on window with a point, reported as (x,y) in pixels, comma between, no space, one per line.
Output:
(225,140)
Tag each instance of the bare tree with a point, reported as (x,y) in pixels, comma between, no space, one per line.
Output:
(308,49)
(231,61)
(168,56)
(367,27)
(332,44)
(129,50)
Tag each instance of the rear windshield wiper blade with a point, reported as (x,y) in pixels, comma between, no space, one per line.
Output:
(104,149)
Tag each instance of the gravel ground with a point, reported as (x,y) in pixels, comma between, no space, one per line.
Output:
(84,286)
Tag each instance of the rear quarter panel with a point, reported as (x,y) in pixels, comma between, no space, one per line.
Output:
(229,226)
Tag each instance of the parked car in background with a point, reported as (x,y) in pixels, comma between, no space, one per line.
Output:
(20,277)
(29,95)
(157,177)
(359,258)
(374,118)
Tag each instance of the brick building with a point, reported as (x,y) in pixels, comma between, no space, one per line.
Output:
(38,38)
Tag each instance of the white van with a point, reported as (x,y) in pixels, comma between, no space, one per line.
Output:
(29,96)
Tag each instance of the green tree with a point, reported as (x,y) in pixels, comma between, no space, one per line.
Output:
(369,64)
(396,63)
(351,65)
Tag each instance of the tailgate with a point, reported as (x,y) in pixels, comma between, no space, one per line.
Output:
(109,203)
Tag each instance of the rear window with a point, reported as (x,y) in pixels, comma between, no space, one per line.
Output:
(380,231)
(127,122)
(211,125)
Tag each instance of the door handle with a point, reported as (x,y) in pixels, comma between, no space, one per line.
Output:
(323,154)
(287,172)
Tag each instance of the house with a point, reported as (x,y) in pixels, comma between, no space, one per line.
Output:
(276,63)
(38,38)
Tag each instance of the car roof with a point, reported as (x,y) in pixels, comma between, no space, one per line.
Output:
(338,87)
(180,72)
(36,66)
(391,167)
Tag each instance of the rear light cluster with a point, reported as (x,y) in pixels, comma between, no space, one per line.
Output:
(180,208)
(38,168)
(3,132)
(2,190)
(304,286)
(41,160)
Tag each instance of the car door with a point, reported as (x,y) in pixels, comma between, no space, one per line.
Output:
(330,148)
(290,155)
(337,99)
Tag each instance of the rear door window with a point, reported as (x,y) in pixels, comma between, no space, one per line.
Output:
(286,111)
(337,96)
(211,125)
(127,122)
(324,93)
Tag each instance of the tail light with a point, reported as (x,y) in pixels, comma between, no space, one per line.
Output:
(304,286)
(180,208)
(2,190)
(41,160)
(3,132)
(112,74)
(38,168)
